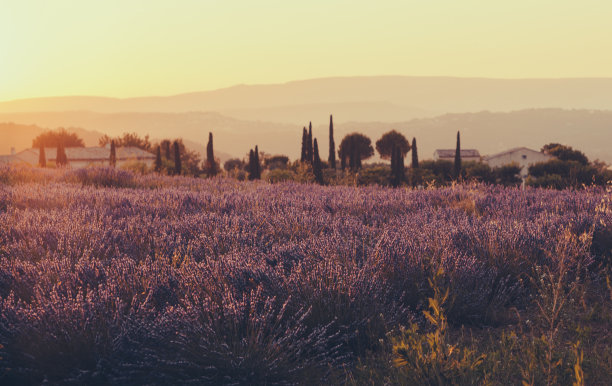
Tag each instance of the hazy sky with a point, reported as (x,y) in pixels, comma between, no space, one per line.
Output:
(146,47)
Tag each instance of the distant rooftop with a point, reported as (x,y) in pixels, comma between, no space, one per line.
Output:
(513,150)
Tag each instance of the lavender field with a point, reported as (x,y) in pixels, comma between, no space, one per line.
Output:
(112,278)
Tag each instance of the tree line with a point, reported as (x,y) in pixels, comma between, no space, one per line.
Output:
(344,165)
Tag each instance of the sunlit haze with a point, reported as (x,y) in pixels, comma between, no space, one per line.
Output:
(132,48)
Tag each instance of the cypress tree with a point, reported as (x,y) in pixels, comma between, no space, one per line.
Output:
(415,156)
(60,158)
(257,166)
(158,160)
(177,159)
(332,145)
(42,158)
(309,144)
(251,165)
(394,166)
(211,166)
(458,157)
(316,166)
(113,155)
(400,168)
(166,145)
(304,145)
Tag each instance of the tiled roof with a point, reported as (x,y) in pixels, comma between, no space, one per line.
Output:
(450,153)
(514,150)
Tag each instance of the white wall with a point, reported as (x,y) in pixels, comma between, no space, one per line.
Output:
(522,157)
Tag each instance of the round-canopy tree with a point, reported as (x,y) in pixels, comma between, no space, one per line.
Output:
(355,147)
(55,138)
(388,141)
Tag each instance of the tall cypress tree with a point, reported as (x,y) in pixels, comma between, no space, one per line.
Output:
(309,144)
(304,145)
(42,157)
(166,145)
(251,165)
(415,156)
(458,157)
(211,165)
(257,165)
(177,159)
(332,146)
(158,159)
(113,155)
(394,166)
(316,165)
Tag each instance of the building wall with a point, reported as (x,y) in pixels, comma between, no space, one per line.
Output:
(522,157)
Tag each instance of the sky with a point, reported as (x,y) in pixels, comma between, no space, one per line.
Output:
(125,48)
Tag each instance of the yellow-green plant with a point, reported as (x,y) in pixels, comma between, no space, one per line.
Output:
(429,359)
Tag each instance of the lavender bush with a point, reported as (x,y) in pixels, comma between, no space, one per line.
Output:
(110,277)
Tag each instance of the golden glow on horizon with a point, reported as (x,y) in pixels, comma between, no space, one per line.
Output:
(137,47)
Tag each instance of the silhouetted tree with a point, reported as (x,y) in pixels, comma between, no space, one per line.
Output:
(565,153)
(165,144)
(394,166)
(458,157)
(388,141)
(257,164)
(53,138)
(304,145)
(415,155)
(113,155)
(332,145)
(191,162)
(42,158)
(252,173)
(60,158)
(177,159)
(128,139)
(316,165)
(211,168)
(254,167)
(400,168)
(309,144)
(397,167)
(158,159)
(355,147)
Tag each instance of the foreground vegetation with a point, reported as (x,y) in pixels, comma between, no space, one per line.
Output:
(112,277)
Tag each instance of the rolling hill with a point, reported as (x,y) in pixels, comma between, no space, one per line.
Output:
(363,99)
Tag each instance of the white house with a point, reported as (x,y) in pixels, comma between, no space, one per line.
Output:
(449,155)
(521,156)
(79,157)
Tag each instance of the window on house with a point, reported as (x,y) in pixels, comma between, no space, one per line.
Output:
(524,156)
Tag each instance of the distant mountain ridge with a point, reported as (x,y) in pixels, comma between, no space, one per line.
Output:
(372,98)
